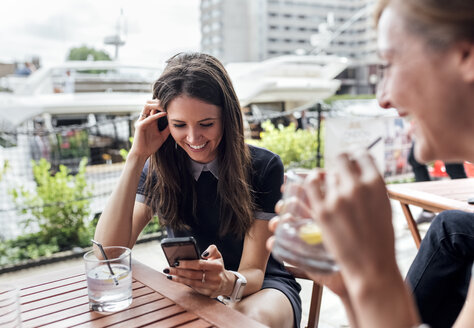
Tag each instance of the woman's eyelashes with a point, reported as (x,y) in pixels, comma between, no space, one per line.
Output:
(204,125)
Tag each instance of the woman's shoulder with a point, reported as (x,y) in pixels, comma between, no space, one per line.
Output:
(261,154)
(263,158)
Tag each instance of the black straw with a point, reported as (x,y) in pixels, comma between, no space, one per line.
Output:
(376,141)
(105,257)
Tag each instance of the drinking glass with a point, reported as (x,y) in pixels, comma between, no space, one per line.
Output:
(298,238)
(9,307)
(109,280)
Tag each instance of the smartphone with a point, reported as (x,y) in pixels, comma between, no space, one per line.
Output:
(181,248)
(162,123)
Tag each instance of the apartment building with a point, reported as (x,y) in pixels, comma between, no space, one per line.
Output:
(255,30)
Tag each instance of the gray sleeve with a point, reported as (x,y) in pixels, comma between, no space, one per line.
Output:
(264,215)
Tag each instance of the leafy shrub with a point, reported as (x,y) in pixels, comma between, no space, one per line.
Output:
(24,248)
(59,206)
(297,148)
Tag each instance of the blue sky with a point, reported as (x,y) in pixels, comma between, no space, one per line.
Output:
(156,29)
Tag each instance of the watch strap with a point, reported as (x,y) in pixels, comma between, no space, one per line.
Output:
(238,290)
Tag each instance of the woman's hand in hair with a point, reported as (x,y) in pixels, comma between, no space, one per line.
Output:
(206,276)
(148,139)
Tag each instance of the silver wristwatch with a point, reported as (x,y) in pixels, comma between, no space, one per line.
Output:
(238,290)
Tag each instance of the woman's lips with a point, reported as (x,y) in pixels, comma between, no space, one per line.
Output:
(197,147)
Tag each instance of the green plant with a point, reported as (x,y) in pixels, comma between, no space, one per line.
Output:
(84,53)
(152,226)
(334,98)
(24,248)
(124,152)
(58,206)
(3,169)
(72,144)
(297,148)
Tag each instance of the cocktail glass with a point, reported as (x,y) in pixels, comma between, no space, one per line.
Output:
(298,238)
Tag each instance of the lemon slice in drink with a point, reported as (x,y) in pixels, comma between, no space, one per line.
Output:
(311,234)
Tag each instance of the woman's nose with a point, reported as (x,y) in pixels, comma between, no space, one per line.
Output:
(383,96)
(193,135)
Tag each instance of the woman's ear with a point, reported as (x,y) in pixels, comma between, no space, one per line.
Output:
(466,62)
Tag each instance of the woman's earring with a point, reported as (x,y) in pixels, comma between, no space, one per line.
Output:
(175,145)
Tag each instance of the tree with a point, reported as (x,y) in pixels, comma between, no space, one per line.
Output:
(84,53)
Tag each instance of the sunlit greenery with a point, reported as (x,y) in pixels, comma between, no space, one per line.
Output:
(3,169)
(331,99)
(58,206)
(86,53)
(296,147)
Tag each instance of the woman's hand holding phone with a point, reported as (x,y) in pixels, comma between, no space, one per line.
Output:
(148,138)
(207,276)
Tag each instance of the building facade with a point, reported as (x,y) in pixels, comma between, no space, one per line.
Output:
(255,30)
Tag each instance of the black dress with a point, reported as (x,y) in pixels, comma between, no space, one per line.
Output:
(267,178)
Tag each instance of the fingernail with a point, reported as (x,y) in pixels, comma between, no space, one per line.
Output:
(176,263)
(166,270)
(169,277)
(205,254)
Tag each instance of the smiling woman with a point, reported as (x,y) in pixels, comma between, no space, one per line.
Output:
(428,47)
(203,181)
(196,127)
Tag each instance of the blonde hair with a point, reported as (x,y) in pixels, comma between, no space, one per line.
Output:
(441,23)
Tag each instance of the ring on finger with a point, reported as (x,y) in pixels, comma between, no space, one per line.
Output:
(203,280)
(144,115)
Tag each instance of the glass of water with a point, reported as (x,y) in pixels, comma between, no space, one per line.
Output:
(298,238)
(9,307)
(109,280)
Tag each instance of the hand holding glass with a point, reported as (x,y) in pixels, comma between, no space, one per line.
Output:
(298,239)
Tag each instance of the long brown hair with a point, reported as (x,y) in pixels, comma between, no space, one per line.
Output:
(169,182)
(439,22)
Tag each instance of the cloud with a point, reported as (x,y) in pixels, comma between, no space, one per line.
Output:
(49,28)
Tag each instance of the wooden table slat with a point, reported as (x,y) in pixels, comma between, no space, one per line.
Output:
(82,315)
(61,300)
(126,317)
(196,324)
(206,308)
(53,300)
(434,196)
(49,293)
(52,285)
(175,321)
(67,304)
(46,310)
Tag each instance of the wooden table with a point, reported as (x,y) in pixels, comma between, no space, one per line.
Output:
(60,299)
(435,196)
